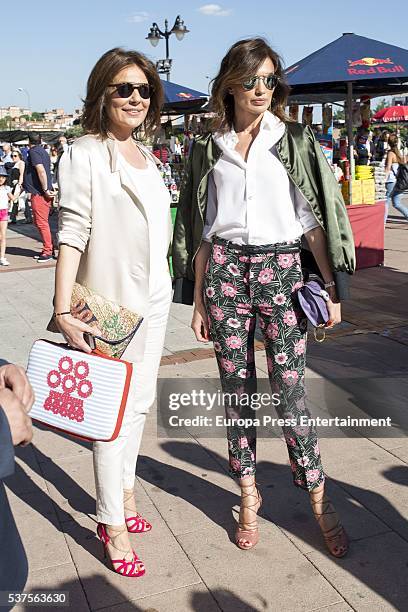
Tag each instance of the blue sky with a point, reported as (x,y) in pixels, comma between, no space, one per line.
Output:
(49,47)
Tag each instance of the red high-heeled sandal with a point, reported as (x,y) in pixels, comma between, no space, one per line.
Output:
(136,523)
(131,569)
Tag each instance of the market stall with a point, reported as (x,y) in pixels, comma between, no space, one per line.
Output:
(348,69)
(172,142)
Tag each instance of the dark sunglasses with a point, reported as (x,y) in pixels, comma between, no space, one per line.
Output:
(125,90)
(269,81)
(14,155)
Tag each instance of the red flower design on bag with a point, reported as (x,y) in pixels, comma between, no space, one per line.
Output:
(69,377)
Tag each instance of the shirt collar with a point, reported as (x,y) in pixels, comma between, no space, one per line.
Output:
(271,130)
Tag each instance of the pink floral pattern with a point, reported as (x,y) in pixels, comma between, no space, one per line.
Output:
(286,260)
(240,289)
(228,289)
(265,276)
(233,342)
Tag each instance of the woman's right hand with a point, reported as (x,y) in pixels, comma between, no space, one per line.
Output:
(199,323)
(73,331)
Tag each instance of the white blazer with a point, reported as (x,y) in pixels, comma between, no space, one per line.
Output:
(103,216)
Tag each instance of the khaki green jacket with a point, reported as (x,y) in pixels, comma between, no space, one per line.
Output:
(307,167)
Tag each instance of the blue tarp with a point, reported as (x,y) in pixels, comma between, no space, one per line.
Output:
(376,68)
(180,98)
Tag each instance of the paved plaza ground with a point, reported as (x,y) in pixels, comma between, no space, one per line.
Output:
(183,486)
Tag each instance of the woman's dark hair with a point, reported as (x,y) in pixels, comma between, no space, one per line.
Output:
(393,144)
(94,118)
(241,62)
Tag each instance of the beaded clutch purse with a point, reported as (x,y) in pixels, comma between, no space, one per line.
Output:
(117,324)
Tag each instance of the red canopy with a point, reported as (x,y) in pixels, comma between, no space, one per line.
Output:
(391,114)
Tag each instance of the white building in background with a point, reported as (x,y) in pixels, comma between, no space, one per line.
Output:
(13,111)
(56,118)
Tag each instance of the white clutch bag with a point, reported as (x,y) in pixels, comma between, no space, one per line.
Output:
(78,393)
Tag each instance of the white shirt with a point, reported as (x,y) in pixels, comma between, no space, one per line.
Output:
(255,202)
(4,201)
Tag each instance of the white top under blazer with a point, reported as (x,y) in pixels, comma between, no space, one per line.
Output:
(119,218)
(254,201)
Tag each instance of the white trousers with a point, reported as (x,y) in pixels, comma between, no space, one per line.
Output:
(115,462)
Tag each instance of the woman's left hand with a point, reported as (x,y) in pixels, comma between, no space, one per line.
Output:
(334,309)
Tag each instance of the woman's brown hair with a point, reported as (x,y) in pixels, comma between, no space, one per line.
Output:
(94,118)
(241,62)
(393,144)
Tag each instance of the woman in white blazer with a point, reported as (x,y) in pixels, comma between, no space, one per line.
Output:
(114,234)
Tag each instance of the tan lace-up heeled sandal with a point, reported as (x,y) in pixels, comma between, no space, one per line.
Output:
(335,537)
(248,532)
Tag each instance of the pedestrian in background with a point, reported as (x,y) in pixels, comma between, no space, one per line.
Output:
(393,181)
(5,198)
(20,199)
(38,183)
(382,146)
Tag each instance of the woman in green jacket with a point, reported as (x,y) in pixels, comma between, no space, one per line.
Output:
(254,188)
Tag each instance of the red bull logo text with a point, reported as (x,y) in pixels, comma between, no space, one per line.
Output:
(184,95)
(373,65)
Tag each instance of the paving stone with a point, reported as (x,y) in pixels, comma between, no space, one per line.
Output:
(52,446)
(389,505)
(167,566)
(272,576)
(59,578)
(373,576)
(71,485)
(337,607)
(39,529)
(196,597)
(27,475)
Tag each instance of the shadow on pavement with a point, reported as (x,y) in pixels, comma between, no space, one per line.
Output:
(23,487)
(284,505)
(288,508)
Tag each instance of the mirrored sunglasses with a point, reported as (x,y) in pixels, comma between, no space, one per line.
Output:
(269,81)
(125,90)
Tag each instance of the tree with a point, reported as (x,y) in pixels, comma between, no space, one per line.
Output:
(74,132)
(6,122)
(339,115)
(37,116)
(381,104)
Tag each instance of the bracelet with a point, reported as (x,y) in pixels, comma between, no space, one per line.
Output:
(60,314)
(325,295)
(331,284)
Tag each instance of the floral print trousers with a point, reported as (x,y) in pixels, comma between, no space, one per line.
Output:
(241,284)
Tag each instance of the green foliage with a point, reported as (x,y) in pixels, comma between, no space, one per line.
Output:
(74,132)
(339,114)
(37,116)
(381,104)
(6,123)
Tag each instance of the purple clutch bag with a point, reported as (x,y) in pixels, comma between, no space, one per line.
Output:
(313,304)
